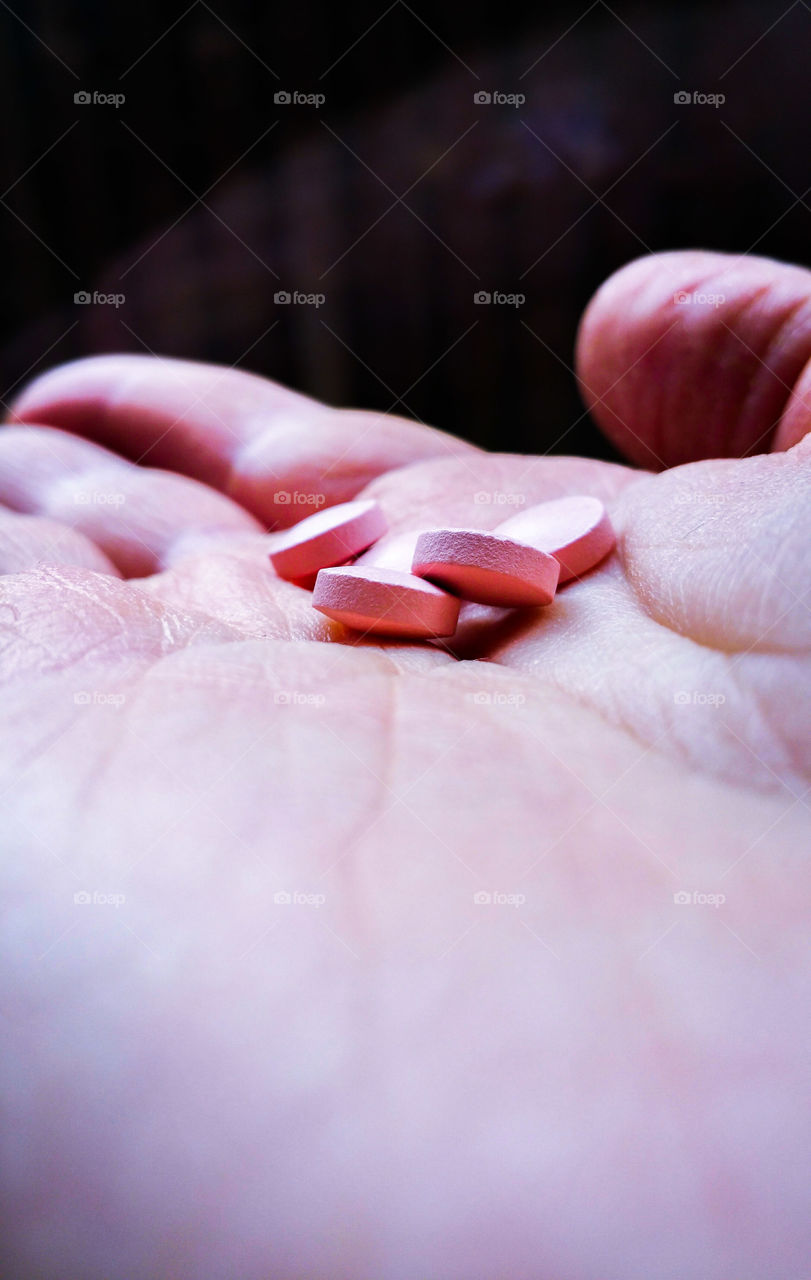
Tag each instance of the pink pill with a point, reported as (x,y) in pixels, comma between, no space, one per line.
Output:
(486,567)
(386,601)
(576,531)
(329,537)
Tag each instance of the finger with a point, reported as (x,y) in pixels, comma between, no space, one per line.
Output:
(29,542)
(694,355)
(137,516)
(274,451)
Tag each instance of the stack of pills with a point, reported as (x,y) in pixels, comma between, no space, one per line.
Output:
(519,564)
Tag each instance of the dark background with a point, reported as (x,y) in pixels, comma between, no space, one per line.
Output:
(398,199)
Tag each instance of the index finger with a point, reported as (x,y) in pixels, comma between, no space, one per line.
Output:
(277,452)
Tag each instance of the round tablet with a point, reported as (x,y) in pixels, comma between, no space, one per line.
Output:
(486,567)
(386,601)
(576,531)
(328,537)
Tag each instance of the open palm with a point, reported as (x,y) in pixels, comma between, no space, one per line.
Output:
(340,958)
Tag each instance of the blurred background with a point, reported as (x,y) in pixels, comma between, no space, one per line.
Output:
(322,193)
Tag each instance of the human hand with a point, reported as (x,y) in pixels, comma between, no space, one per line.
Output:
(384,1077)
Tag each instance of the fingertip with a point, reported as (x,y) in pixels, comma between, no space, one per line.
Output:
(689,355)
(70,392)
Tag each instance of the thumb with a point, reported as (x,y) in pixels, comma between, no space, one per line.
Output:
(693,355)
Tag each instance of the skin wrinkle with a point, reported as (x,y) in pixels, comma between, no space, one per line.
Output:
(622,724)
(381,777)
(771,483)
(643,598)
(619,715)
(775,343)
(93,783)
(77,590)
(11,629)
(41,748)
(659,395)
(99,644)
(184,626)
(183,582)
(385,799)
(791,433)
(793,752)
(569,696)
(730,353)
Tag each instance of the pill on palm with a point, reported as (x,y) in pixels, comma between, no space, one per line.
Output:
(329,537)
(486,567)
(576,531)
(385,601)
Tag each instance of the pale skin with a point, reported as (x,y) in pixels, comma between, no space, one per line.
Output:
(583,1079)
